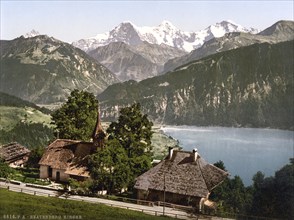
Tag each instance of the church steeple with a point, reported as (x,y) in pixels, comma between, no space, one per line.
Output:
(98,133)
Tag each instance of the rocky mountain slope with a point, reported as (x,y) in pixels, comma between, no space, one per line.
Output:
(165,33)
(138,62)
(248,86)
(278,32)
(44,70)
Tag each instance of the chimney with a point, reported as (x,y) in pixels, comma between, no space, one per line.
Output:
(170,153)
(195,154)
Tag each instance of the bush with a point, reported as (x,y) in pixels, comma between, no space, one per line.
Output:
(5,170)
(81,187)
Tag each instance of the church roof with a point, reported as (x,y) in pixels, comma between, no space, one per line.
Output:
(182,174)
(69,155)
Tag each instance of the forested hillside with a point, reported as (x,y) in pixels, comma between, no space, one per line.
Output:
(250,86)
(10,100)
(24,122)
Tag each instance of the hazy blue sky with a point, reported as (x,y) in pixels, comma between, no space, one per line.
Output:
(73,20)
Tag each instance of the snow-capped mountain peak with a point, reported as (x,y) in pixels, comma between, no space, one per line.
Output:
(166,25)
(32,33)
(164,33)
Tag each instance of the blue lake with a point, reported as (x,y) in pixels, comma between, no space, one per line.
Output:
(244,151)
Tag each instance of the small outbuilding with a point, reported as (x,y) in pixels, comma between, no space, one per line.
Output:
(14,154)
(183,178)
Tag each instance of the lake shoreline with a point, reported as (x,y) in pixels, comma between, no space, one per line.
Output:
(256,149)
(218,126)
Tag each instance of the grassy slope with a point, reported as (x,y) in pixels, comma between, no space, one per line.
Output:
(13,203)
(10,116)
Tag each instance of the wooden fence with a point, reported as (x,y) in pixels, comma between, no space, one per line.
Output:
(125,206)
(189,215)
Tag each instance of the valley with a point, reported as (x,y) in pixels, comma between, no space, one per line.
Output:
(126,111)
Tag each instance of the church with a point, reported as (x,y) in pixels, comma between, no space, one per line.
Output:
(64,159)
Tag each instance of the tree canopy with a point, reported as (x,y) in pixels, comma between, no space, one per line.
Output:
(35,156)
(77,117)
(109,168)
(5,170)
(133,132)
(267,197)
(30,135)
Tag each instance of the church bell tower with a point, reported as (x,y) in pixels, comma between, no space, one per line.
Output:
(98,133)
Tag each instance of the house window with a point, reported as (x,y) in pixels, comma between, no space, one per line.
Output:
(49,172)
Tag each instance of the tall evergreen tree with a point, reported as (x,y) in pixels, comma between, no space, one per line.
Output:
(232,196)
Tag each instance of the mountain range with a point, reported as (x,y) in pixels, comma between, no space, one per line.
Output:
(137,53)
(278,32)
(165,33)
(44,70)
(239,79)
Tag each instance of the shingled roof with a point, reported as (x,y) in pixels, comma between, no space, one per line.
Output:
(69,155)
(182,174)
(13,151)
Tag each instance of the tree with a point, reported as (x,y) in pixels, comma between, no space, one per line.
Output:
(274,196)
(109,168)
(263,202)
(220,164)
(35,157)
(127,152)
(77,117)
(284,191)
(5,169)
(232,196)
(133,132)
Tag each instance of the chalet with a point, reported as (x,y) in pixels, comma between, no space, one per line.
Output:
(64,159)
(183,178)
(14,154)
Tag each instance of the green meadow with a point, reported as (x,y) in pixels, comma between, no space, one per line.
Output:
(30,207)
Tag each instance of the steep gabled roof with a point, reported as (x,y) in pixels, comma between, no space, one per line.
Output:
(13,151)
(182,175)
(98,133)
(67,154)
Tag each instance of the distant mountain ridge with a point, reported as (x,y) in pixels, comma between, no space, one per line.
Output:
(278,32)
(164,33)
(44,70)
